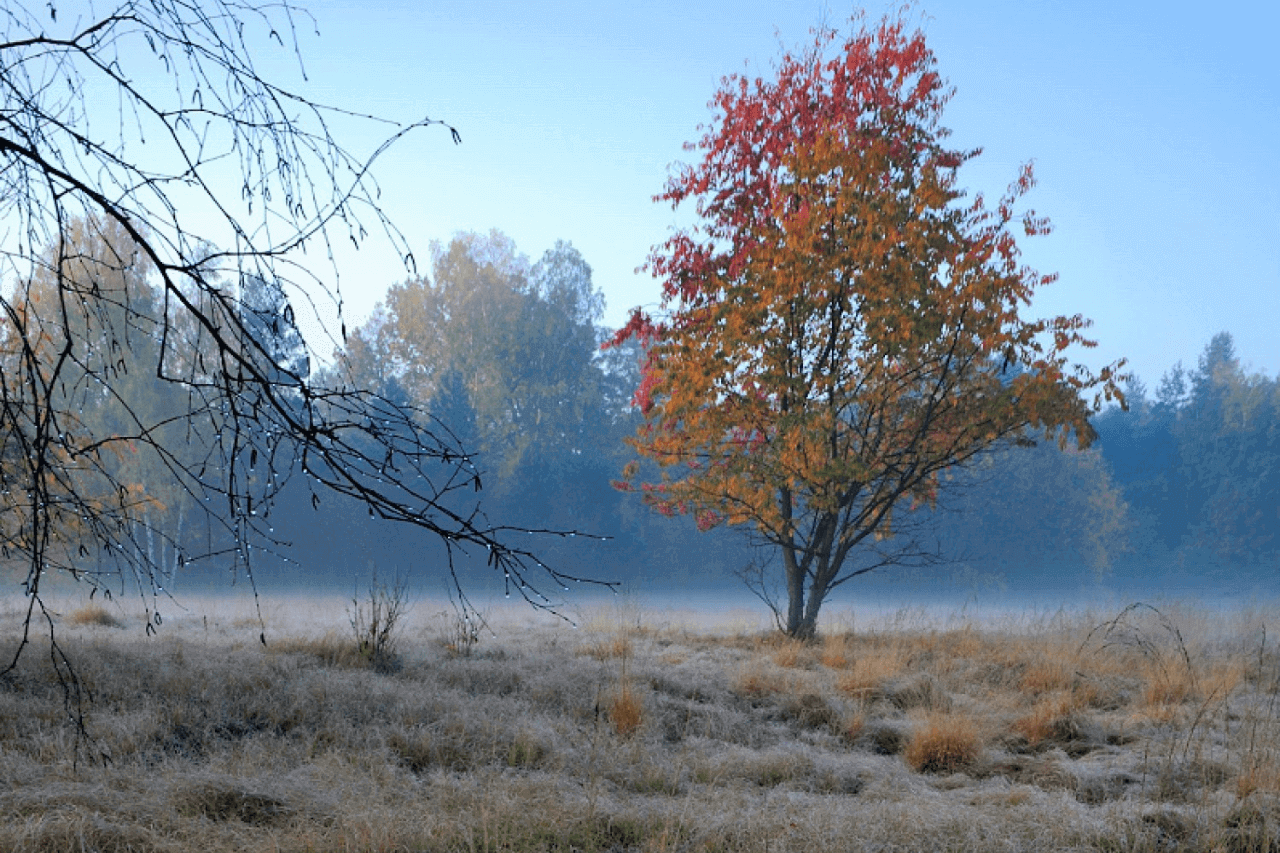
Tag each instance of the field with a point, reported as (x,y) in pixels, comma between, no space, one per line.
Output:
(1142,729)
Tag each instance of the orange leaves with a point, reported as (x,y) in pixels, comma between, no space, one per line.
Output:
(839,327)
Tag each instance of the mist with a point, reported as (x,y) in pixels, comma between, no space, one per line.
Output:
(1176,498)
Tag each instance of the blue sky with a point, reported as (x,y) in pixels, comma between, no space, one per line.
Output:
(1155,129)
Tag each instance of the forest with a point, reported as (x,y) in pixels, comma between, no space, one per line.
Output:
(1180,490)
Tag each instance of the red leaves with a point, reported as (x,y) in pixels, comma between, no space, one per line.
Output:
(640,326)
(837,322)
(878,82)
(707,519)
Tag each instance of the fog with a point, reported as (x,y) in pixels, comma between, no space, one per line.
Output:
(1175,498)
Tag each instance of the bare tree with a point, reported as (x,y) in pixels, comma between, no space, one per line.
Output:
(119,130)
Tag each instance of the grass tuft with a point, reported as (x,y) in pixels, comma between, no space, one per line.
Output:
(221,802)
(871,668)
(626,711)
(757,680)
(1054,719)
(1048,676)
(793,654)
(93,614)
(614,648)
(331,649)
(835,652)
(946,743)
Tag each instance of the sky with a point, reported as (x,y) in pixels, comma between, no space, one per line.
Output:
(1154,128)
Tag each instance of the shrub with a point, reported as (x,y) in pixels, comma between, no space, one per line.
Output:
(375,620)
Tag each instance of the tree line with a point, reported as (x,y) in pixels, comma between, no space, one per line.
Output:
(508,354)
(1199,465)
(505,356)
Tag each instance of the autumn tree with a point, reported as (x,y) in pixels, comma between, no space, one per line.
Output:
(506,353)
(151,125)
(841,325)
(102,395)
(504,343)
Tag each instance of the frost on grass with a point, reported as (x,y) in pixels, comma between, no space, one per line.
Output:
(908,735)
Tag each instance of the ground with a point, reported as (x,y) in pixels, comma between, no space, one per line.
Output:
(645,729)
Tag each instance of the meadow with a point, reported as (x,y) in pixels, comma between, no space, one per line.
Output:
(1139,729)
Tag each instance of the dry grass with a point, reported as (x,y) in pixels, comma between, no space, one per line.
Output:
(1054,719)
(869,668)
(945,743)
(331,649)
(611,648)
(794,654)
(756,680)
(1048,675)
(626,711)
(836,651)
(93,614)
(1156,732)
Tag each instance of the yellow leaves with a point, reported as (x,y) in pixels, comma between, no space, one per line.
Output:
(841,326)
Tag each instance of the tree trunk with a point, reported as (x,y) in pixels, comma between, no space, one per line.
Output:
(803,604)
(802,608)
(795,592)
(806,628)
(809,625)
